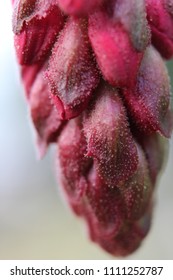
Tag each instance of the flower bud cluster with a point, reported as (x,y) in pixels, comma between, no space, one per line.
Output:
(96,84)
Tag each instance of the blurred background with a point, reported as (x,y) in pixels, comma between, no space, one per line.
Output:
(35,222)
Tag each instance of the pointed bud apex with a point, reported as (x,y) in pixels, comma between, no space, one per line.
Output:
(72,73)
(109,140)
(36,25)
(149,102)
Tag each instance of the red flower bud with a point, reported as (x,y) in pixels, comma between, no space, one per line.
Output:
(104,205)
(137,190)
(36,25)
(44,114)
(73,163)
(72,73)
(160,17)
(104,211)
(130,237)
(118,41)
(109,140)
(149,101)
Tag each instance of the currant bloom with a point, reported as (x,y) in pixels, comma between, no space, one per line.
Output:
(97,86)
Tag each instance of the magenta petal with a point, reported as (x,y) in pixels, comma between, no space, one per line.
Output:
(72,73)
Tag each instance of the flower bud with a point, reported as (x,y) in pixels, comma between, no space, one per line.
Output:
(149,101)
(137,190)
(36,25)
(130,237)
(79,7)
(109,140)
(44,114)
(160,17)
(156,149)
(118,41)
(104,205)
(72,73)
(114,205)
(73,164)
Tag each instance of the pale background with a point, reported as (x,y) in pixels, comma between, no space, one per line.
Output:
(34,221)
